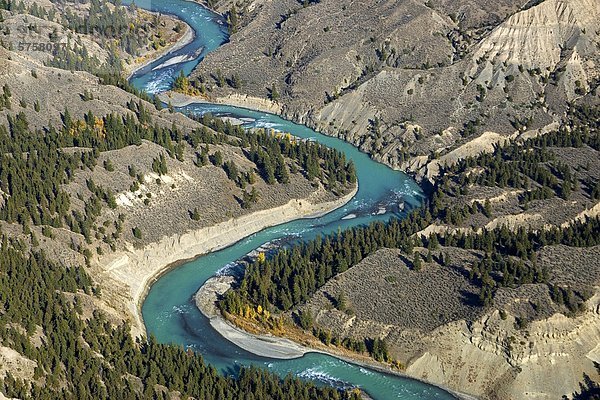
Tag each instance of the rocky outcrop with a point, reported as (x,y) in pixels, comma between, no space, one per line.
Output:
(16,364)
(552,34)
(491,358)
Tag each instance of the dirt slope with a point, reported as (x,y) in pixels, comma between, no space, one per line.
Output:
(407,79)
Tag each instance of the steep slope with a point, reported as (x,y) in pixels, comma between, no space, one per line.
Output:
(428,79)
(145,198)
(517,77)
(556,37)
(439,337)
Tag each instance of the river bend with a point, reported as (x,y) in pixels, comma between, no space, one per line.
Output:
(169,311)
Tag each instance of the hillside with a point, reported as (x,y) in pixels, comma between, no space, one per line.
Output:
(411,81)
(423,86)
(90,174)
(146,179)
(491,289)
(501,266)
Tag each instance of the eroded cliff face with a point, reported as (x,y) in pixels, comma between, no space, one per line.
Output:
(553,35)
(491,358)
(538,59)
(524,345)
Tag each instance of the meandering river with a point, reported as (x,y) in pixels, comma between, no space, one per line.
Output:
(169,311)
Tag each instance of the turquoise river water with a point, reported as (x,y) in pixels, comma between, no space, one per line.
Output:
(168,310)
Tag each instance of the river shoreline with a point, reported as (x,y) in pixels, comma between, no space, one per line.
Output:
(138,269)
(187,38)
(237,100)
(263,105)
(270,346)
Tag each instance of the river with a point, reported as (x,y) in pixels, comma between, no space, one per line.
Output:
(169,311)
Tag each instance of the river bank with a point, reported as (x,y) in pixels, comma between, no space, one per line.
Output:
(237,100)
(271,346)
(185,39)
(136,269)
(261,345)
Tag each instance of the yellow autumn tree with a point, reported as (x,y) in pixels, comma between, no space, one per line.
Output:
(182,84)
(99,127)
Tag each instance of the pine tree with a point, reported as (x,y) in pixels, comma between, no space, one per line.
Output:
(487,208)
(274,94)
(232,19)
(217,159)
(417,262)
(341,302)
